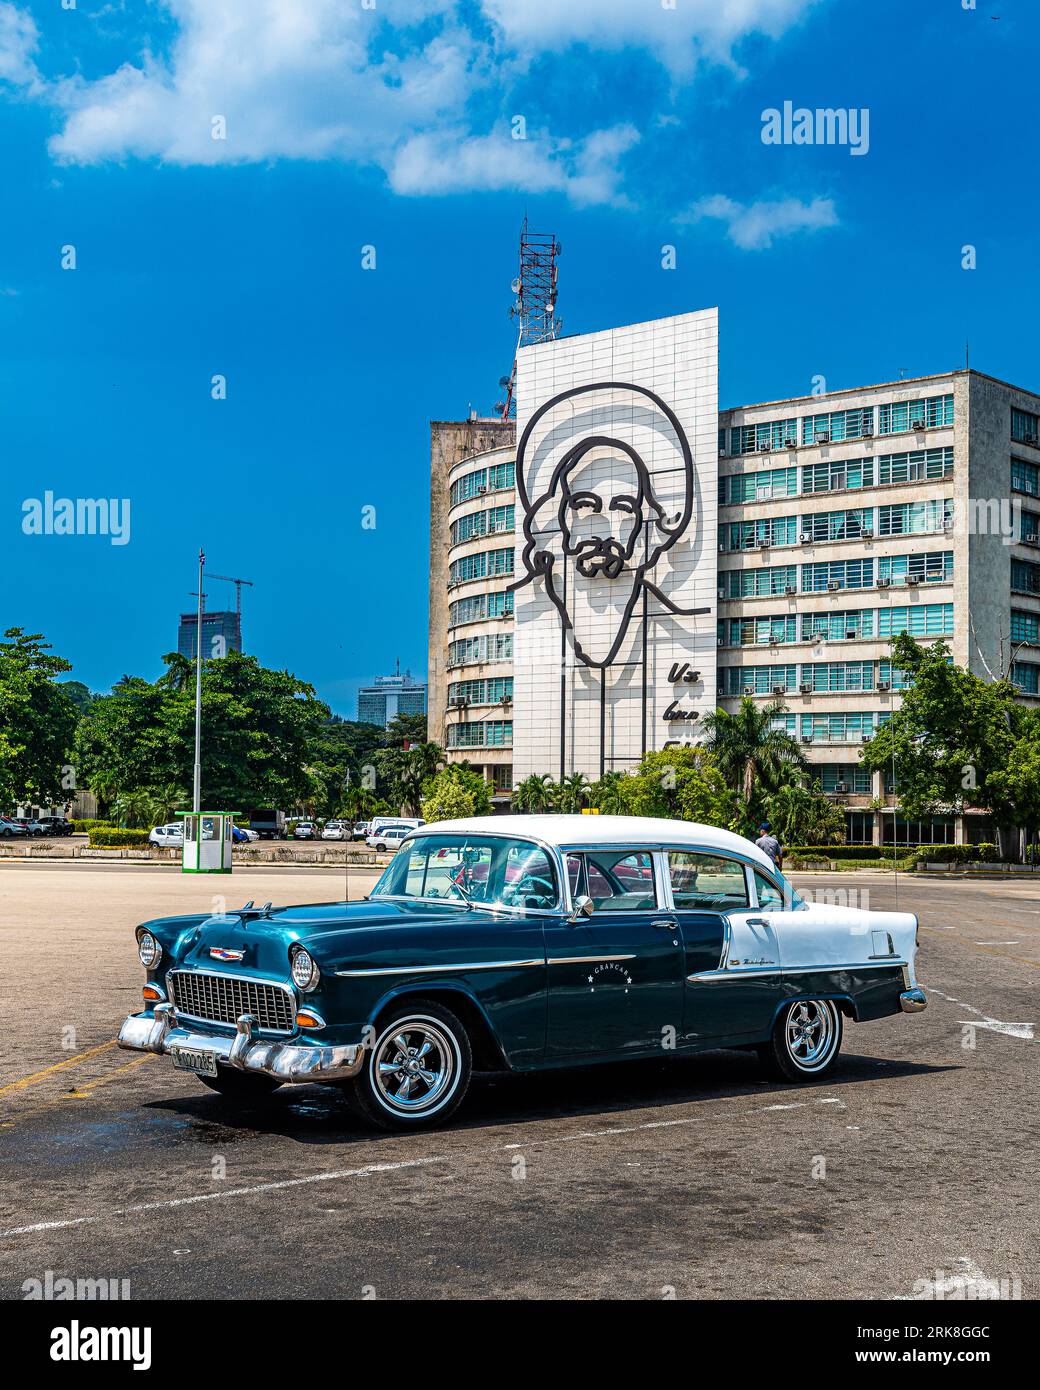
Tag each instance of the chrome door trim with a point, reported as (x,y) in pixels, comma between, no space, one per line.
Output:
(738,971)
(588,960)
(439,969)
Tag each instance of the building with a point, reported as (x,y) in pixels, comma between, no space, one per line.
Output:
(471,639)
(813,530)
(389,696)
(221,633)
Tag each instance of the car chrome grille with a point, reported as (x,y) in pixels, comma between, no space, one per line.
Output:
(216,998)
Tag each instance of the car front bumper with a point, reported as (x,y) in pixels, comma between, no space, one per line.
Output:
(294,1063)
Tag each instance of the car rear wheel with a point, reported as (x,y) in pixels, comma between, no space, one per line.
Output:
(805,1041)
(240,1085)
(418,1070)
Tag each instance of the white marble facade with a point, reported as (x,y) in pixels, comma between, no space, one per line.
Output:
(608,503)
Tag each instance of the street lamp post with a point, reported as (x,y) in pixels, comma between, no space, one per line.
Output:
(196,802)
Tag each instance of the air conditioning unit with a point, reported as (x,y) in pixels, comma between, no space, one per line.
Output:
(866,533)
(789,589)
(722,593)
(947,523)
(722,641)
(763,544)
(482,488)
(823,438)
(867,432)
(723,547)
(884,685)
(805,688)
(841,788)
(748,690)
(807,738)
(851,634)
(791,442)
(913,580)
(806,538)
(833,584)
(1031,540)
(865,736)
(919,425)
(766,448)
(779,689)
(884,582)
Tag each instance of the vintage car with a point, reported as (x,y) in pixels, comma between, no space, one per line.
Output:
(520,943)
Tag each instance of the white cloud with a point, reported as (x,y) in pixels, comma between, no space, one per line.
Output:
(396,88)
(677,36)
(754,226)
(18,42)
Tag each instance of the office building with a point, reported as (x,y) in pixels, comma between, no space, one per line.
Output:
(388,696)
(221,633)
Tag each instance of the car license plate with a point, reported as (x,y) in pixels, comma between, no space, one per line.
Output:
(202,1063)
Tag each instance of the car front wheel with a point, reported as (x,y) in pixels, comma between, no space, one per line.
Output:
(805,1041)
(417,1072)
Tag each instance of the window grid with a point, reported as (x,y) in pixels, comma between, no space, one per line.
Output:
(1025,578)
(1026,677)
(759,487)
(1025,477)
(837,574)
(915,466)
(837,425)
(478,607)
(748,632)
(773,434)
(485,564)
(485,733)
(838,627)
(488,691)
(758,680)
(915,518)
(836,677)
(748,535)
(849,776)
(838,526)
(896,417)
(498,476)
(924,620)
(840,728)
(1025,627)
(1024,427)
(757,583)
(467,650)
(933,567)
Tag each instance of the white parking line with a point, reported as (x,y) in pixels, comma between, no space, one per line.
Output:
(260,1188)
(981,1020)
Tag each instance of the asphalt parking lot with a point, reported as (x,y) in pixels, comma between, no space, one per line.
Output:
(912,1171)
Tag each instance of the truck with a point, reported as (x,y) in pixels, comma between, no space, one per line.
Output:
(268,824)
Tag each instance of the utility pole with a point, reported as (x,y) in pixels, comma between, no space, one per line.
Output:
(196,800)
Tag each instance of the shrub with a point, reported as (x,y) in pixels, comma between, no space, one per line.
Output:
(836,852)
(110,836)
(82,827)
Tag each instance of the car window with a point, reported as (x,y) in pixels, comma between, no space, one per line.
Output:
(709,882)
(770,897)
(471,869)
(620,880)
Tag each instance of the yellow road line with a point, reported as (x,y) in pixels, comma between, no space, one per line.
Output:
(81,1093)
(47,1071)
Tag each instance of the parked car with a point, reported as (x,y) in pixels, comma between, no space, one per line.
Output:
(251,835)
(56,825)
(360,831)
(32,826)
(171,834)
(10,828)
(381,823)
(305,830)
(390,838)
(239,836)
(521,944)
(268,823)
(335,830)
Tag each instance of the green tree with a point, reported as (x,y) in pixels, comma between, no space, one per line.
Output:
(406,728)
(400,773)
(134,809)
(800,814)
(37,720)
(455,792)
(572,794)
(534,795)
(682,783)
(752,754)
(612,794)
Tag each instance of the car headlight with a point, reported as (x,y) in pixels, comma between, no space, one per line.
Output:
(149,950)
(305,972)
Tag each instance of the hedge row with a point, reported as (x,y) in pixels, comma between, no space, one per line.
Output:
(83,827)
(110,836)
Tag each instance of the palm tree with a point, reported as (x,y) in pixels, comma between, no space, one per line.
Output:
(750,751)
(573,793)
(179,674)
(535,794)
(133,809)
(609,793)
(165,800)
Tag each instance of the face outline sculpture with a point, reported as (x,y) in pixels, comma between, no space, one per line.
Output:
(604,518)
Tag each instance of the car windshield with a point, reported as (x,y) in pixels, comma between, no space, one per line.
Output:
(471,870)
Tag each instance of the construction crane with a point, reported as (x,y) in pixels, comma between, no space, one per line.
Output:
(230,579)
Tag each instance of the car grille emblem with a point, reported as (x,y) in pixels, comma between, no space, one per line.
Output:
(224,953)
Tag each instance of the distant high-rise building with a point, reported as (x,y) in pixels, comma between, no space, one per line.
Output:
(388,696)
(221,633)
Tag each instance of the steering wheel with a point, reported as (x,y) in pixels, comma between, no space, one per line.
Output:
(530,886)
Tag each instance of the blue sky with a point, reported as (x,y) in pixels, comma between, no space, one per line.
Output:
(348,127)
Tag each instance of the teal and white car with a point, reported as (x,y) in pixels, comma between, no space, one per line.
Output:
(521,943)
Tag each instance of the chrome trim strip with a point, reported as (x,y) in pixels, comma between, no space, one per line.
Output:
(448,965)
(736,971)
(587,960)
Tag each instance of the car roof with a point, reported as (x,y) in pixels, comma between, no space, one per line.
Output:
(605,830)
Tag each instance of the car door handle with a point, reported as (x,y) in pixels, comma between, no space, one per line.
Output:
(756,922)
(666,924)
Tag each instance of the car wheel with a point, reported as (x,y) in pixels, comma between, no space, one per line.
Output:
(417,1072)
(239,1085)
(805,1041)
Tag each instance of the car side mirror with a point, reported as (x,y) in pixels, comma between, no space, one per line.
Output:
(583,907)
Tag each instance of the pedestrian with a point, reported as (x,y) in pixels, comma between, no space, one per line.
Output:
(769,844)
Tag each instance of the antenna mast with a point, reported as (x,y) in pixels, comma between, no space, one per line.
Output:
(535,305)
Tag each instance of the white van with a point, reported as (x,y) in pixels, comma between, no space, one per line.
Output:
(380,823)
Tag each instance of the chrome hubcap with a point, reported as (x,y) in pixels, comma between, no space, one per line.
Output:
(414,1066)
(811,1030)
